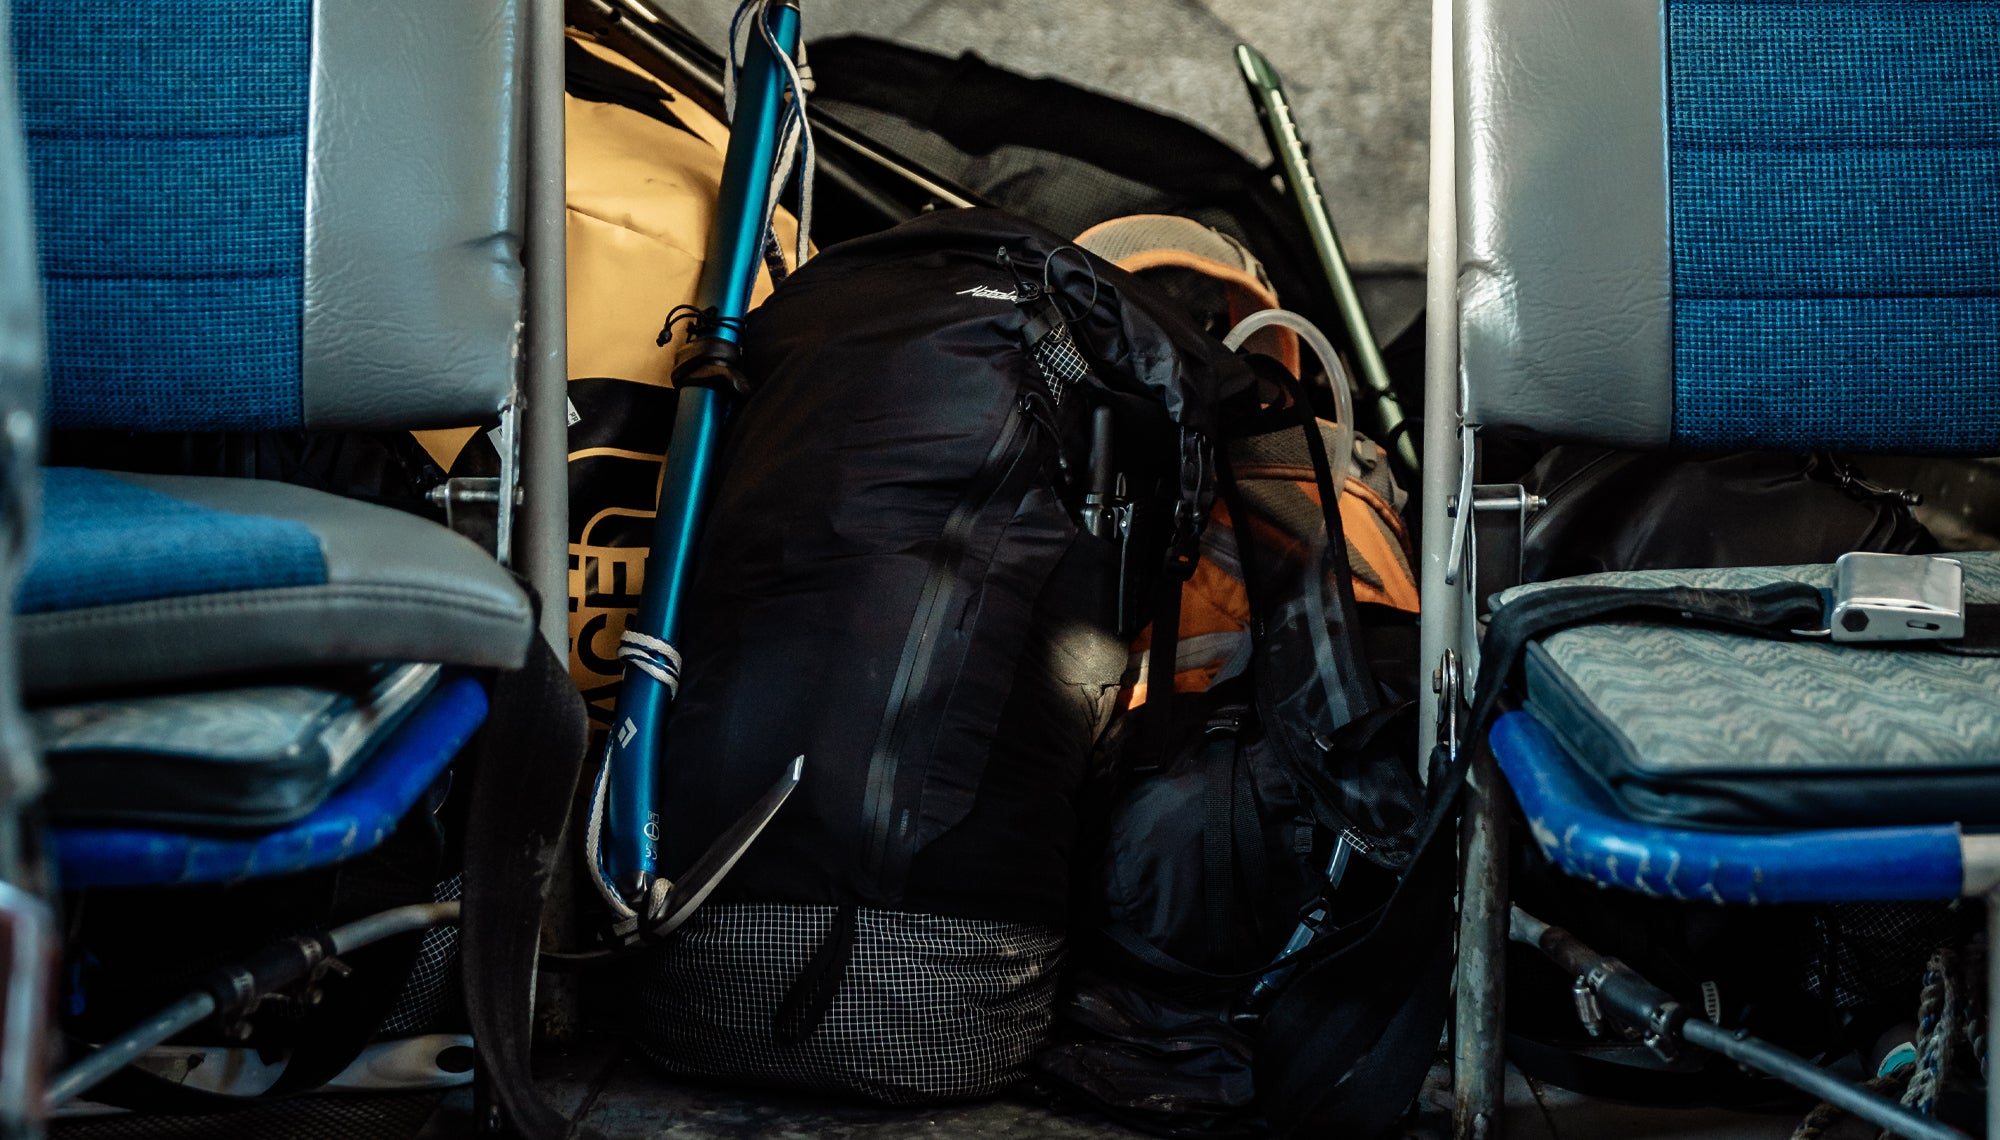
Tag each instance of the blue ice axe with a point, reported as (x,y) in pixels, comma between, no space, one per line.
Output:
(623,839)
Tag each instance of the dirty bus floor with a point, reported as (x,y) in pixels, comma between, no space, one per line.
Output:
(611,1094)
(622,1097)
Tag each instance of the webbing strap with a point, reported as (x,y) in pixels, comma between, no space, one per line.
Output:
(1156,723)
(1218,827)
(1982,633)
(1775,610)
(529,758)
(811,994)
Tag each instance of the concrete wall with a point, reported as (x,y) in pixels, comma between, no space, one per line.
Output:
(1356,72)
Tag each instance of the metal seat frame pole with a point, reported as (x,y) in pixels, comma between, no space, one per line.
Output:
(1979,863)
(1479,1025)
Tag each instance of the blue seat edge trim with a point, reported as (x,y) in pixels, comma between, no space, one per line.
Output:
(1575,825)
(352,821)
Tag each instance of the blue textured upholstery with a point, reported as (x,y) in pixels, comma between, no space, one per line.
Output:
(104,541)
(167,152)
(1836,223)
(353,821)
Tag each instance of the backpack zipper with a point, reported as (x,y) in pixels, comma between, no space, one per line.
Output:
(881,822)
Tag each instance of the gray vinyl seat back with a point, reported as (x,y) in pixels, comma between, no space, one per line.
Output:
(1731,224)
(290,214)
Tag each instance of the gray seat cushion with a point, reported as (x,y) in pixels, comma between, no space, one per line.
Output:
(1704,727)
(141,579)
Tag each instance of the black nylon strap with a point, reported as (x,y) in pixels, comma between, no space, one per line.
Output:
(526,763)
(1772,611)
(1982,633)
(1355,679)
(1346,1044)
(1218,828)
(1156,726)
(805,1004)
(1153,958)
(1247,841)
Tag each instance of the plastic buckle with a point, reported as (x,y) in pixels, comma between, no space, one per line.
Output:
(1897,597)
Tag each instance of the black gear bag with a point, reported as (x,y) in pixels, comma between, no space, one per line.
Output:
(894,583)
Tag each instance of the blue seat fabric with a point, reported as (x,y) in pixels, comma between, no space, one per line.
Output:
(1835,185)
(167,158)
(105,541)
(351,822)
(1577,826)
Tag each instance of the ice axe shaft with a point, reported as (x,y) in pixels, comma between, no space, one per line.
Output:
(722,295)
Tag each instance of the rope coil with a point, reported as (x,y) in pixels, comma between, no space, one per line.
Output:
(1946,1023)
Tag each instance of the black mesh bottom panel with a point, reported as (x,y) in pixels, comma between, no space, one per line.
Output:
(395,1117)
(930,1008)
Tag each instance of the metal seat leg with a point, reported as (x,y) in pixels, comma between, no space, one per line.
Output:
(1479,1055)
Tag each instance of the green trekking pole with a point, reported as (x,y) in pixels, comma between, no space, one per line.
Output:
(1275,113)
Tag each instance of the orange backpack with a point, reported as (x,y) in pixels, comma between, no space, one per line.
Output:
(1273,471)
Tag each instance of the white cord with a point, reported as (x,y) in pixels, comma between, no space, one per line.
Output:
(653,657)
(593,843)
(795,143)
(662,662)
(794,140)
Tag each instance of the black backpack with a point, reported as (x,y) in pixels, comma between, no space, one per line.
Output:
(1235,973)
(893,584)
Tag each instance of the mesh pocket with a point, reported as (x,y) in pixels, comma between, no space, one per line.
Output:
(1869,953)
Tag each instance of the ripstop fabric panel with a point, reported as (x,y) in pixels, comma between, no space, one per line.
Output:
(103,541)
(167,155)
(1836,223)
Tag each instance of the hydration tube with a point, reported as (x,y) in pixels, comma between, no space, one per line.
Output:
(1336,378)
(766,98)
